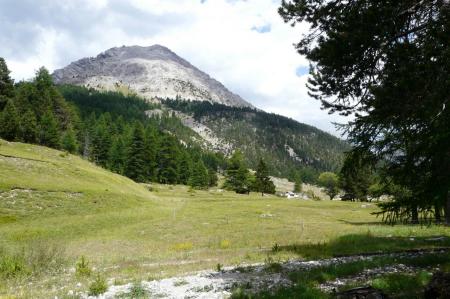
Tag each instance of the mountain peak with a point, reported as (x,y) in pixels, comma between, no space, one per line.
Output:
(151,72)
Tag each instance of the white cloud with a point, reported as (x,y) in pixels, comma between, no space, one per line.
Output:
(217,36)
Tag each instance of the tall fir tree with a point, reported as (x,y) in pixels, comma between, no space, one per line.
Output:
(69,141)
(212,177)
(29,127)
(117,155)
(49,134)
(134,167)
(6,84)
(185,168)
(101,140)
(168,156)
(10,122)
(298,183)
(199,177)
(237,174)
(151,147)
(387,64)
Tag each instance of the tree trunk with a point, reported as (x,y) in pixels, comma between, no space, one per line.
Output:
(447,209)
(437,214)
(414,215)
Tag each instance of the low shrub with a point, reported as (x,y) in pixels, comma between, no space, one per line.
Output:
(224,244)
(33,259)
(137,291)
(82,267)
(98,286)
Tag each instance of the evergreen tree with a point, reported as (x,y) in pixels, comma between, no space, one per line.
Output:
(330,182)
(212,178)
(168,161)
(117,155)
(6,84)
(29,130)
(151,147)
(69,141)
(49,133)
(355,177)
(263,183)
(199,177)
(386,62)
(134,167)
(298,183)
(185,168)
(237,174)
(101,140)
(10,122)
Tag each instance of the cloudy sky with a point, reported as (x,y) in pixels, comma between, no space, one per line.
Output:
(242,43)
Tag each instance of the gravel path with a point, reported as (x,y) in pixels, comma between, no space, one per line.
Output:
(213,284)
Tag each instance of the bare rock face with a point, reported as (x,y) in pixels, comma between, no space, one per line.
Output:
(151,72)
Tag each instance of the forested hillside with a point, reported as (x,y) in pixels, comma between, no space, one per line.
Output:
(155,142)
(288,146)
(109,129)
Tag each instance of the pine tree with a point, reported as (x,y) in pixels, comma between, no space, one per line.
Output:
(69,141)
(29,130)
(10,122)
(151,147)
(387,64)
(355,177)
(117,155)
(101,140)
(263,182)
(185,169)
(212,177)
(168,161)
(49,132)
(6,84)
(134,167)
(199,177)
(237,174)
(298,183)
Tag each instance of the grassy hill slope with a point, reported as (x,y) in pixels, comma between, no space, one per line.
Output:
(55,208)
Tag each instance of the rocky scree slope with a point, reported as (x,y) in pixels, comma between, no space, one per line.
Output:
(151,72)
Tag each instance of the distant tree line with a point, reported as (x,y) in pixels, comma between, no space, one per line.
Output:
(260,134)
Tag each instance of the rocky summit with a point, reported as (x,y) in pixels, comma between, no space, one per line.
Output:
(151,72)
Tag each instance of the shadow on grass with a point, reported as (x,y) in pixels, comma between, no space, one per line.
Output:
(380,223)
(363,244)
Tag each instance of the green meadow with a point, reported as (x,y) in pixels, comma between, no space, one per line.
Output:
(56,208)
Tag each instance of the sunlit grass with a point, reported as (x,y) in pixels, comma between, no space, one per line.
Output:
(128,233)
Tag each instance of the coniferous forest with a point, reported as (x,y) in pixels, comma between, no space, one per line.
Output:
(113,131)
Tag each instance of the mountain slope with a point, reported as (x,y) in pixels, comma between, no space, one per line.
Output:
(222,121)
(150,72)
(284,143)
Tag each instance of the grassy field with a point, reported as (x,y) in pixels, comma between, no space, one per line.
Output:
(56,208)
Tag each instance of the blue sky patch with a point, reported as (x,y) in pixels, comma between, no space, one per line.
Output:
(301,71)
(262,29)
